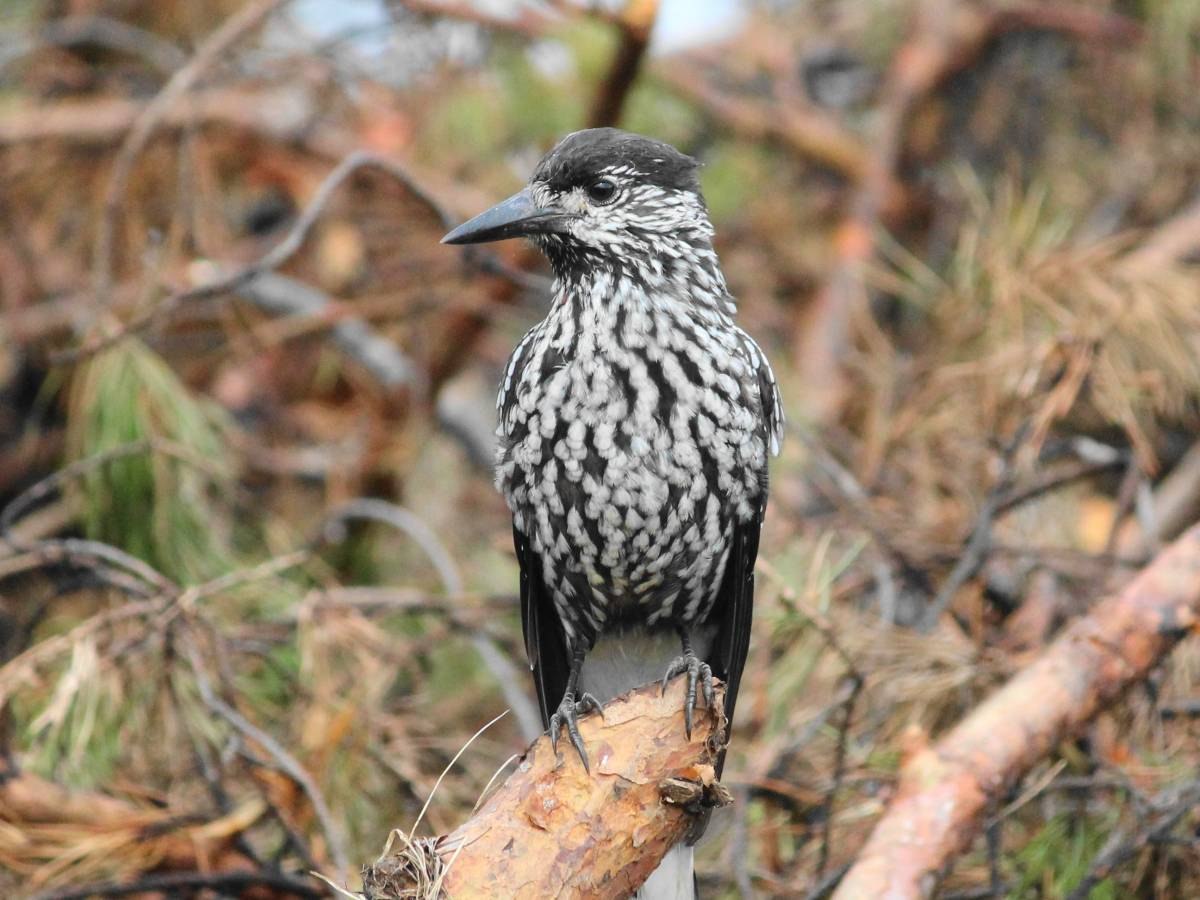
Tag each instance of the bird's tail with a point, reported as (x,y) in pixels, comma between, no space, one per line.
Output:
(674,879)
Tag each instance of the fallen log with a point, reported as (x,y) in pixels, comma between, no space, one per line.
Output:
(946,789)
(553,830)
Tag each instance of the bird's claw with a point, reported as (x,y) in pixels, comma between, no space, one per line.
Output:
(696,671)
(567,714)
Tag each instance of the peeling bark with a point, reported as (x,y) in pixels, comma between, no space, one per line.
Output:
(553,830)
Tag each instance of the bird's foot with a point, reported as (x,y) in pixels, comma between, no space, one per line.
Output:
(697,672)
(567,714)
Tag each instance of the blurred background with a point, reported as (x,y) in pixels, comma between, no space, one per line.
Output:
(256,587)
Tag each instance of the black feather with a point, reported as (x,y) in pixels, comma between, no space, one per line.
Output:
(545,645)
(734,613)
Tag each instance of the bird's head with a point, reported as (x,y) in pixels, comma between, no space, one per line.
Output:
(603,198)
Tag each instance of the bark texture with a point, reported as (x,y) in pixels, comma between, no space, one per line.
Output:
(553,830)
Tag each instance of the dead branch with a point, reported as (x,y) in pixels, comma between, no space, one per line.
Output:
(524,20)
(809,133)
(635,22)
(1175,240)
(291,243)
(945,790)
(497,662)
(287,763)
(1176,504)
(918,66)
(377,354)
(100,31)
(209,53)
(975,551)
(1074,20)
(283,113)
(552,830)
(947,35)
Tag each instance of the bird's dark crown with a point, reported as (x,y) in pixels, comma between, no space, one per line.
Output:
(580,157)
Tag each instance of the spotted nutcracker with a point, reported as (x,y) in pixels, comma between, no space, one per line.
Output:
(634,425)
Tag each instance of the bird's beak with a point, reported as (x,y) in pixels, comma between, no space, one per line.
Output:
(518,216)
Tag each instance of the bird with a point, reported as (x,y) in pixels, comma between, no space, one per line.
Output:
(635,422)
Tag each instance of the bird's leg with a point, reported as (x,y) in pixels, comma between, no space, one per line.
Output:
(697,671)
(569,710)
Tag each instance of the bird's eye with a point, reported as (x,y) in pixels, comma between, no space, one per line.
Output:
(602,190)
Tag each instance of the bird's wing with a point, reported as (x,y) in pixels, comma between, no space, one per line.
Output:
(545,644)
(734,609)
(734,612)
(769,399)
(512,371)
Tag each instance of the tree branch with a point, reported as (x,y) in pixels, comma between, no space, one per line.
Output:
(636,22)
(947,36)
(552,825)
(808,132)
(210,52)
(288,246)
(945,790)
